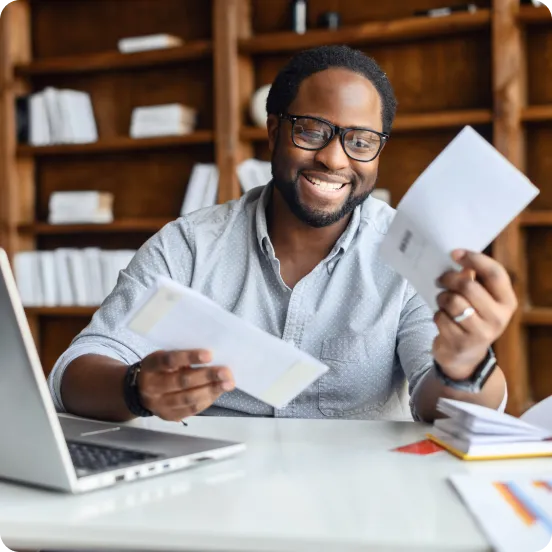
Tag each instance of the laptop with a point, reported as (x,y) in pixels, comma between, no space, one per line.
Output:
(75,455)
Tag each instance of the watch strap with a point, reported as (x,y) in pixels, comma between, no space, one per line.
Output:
(131,392)
(476,382)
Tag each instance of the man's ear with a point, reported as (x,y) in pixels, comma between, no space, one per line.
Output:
(272,124)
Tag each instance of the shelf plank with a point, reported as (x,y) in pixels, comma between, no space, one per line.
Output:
(368,33)
(119,144)
(536,113)
(118,226)
(109,61)
(61,311)
(536,218)
(538,316)
(532,15)
(408,122)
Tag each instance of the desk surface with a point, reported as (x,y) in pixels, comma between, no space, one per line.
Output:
(302,485)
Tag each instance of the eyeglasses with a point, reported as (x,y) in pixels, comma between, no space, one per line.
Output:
(312,133)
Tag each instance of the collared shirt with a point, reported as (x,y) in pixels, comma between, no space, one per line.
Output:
(352,311)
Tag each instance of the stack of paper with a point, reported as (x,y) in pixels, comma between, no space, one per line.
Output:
(80,207)
(463,200)
(162,120)
(474,432)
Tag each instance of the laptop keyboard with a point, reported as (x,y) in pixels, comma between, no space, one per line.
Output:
(89,459)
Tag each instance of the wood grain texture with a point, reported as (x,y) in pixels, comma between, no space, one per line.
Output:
(539,56)
(539,340)
(509,86)
(111,61)
(75,27)
(539,265)
(274,15)
(539,163)
(142,224)
(403,30)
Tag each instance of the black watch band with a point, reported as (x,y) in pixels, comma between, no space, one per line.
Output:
(478,379)
(131,392)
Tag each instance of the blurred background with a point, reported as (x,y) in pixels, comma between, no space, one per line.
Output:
(118,116)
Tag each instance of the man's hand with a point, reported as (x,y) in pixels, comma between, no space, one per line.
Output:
(485,286)
(171,389)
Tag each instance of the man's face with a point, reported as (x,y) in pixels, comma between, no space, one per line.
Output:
(307,180)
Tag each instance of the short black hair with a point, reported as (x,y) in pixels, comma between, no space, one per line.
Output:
(285,87)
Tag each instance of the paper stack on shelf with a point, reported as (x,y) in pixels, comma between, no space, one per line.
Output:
(56,117)
(81,207)
(148,42)
(253,173)
(162,120)
(202,188)
(68,277)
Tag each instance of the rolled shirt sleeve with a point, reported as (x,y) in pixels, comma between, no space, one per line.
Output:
(104,335)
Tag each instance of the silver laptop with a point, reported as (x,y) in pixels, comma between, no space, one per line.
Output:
(72,454)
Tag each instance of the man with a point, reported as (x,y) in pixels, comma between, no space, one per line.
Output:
(299,258)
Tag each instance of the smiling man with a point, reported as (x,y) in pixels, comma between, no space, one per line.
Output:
(299,258)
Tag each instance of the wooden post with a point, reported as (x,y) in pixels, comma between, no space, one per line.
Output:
(233,80)
(509,90)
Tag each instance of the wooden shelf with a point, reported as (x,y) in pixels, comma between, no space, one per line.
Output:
(368,33)
(536,113)
(118,226)
(61,311)
(410,122)
(109,61)
(531,15)
(538,316)
(536,218)
(119,144)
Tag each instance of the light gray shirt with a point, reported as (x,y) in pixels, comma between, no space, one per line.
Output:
(353,312)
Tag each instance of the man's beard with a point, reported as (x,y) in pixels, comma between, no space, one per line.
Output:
(313,217)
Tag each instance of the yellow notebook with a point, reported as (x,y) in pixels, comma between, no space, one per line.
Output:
(474,432)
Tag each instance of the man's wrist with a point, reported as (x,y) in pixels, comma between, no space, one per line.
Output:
(477,379)
(131,392)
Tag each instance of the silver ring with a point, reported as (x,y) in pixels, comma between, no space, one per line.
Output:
(470,311)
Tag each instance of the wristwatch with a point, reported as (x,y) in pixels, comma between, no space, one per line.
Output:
(131,392)
(475,383)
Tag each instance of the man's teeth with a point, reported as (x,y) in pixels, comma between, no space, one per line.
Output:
(328,186)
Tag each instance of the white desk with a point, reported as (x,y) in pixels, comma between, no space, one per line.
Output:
(302,485)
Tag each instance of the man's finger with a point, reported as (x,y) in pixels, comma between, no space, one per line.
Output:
(492,275)
(160,382)
(170,361)
(192,401)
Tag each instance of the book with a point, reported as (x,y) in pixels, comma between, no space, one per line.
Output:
(80,207)
(474,432)
(162,120)
(148,42)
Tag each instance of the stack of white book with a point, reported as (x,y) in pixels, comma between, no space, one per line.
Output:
(202,188)
(61,117)
(68,277)
(162,120)
(253,173)
(81,207)
(145,43)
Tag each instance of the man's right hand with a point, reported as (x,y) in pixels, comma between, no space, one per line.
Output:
(173,390)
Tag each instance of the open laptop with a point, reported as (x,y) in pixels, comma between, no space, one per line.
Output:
(72,454)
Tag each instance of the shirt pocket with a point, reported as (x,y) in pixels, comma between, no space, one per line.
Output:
(353,384)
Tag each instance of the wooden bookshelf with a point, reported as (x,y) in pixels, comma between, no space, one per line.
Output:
(60,312)
(119,144)
(400,30)
(487,69)
(118,226)
(112,61)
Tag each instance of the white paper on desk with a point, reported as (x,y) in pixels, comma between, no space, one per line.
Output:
(463,200)
(175,317)
(540,415)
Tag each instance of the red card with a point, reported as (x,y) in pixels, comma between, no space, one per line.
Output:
(421,447)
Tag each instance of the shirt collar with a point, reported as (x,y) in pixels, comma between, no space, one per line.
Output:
(343,243)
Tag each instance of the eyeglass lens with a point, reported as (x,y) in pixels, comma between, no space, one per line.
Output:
(362,145)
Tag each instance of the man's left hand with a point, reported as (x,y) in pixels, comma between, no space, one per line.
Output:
(483,285)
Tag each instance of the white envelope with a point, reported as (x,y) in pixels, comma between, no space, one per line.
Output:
(175,317)
(463,200)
